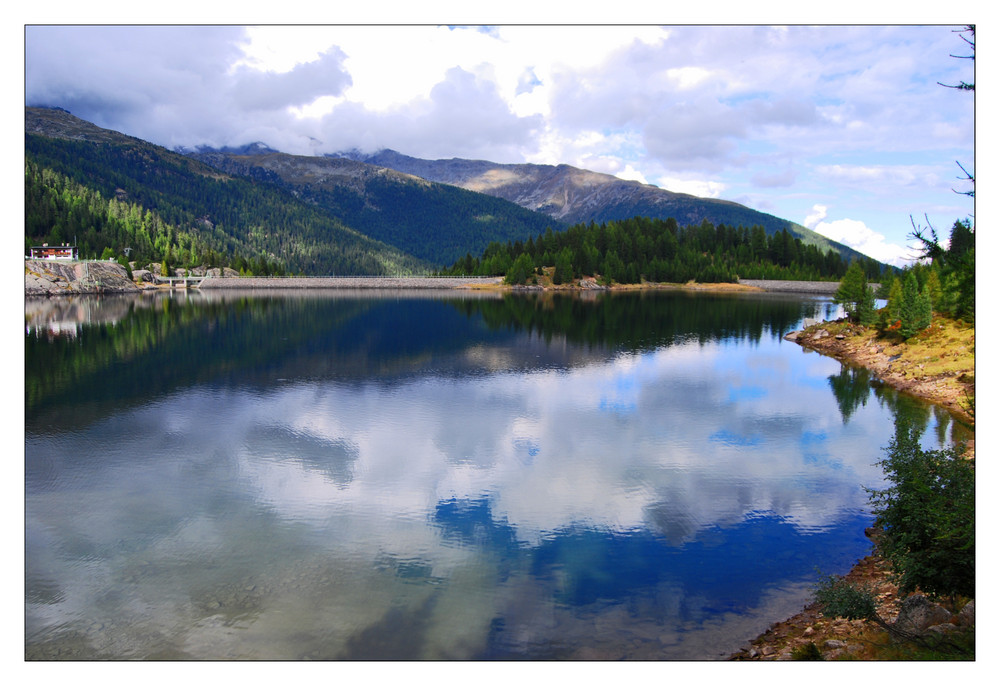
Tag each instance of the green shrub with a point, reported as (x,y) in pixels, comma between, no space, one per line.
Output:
(927,516)
(840,598)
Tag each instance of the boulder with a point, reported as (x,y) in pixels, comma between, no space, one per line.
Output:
(142,275)
(918,612)
(967,616)
(941,629)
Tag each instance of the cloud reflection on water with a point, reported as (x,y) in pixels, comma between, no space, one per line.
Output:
(607,445)
(505,497)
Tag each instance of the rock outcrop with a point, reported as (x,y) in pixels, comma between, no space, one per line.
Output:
(54,277)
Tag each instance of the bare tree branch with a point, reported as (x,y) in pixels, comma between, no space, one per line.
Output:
(968,177)
(962,85)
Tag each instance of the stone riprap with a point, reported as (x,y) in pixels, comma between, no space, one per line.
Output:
(817,287)
(347,282)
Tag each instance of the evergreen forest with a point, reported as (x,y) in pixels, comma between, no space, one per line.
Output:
(660,250)
(434,222)
(164,207)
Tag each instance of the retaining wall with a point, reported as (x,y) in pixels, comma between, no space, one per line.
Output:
(347,282)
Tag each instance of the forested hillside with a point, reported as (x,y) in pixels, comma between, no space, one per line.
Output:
(432,221)
(643,249)
(117,192)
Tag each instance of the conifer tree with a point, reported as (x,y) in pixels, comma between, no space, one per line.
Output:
(564,267)
(933,287)
(520,270)
(914,311)
(890,315)
(856,295)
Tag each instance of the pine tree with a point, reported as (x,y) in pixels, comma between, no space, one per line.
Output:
(890,318)
(520,270)
(914,311)
(925,311)
(856,295)
(933,288)
(564,267)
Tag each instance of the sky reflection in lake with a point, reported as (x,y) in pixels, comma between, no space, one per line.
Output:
(648,502)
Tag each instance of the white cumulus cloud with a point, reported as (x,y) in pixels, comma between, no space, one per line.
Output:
(701,188)
(818,214)
(629,173)
(855,234)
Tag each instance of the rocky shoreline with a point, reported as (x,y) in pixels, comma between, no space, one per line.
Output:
(913,368)
(856,639)
(936,365)
(834,638)
(58,277)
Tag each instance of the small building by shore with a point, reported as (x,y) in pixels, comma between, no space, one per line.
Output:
(55,252)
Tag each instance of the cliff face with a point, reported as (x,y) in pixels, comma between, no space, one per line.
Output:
(53,277)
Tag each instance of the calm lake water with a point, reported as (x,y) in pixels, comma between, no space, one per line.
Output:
(417,476)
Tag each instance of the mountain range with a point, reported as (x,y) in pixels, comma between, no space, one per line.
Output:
(577,196)
(352,212)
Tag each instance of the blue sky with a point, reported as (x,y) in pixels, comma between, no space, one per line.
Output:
(842,128)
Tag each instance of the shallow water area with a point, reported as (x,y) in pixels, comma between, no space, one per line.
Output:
(417,476)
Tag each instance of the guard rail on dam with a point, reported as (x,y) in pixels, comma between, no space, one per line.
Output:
(342,282)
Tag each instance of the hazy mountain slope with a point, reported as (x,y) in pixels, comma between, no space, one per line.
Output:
(436,222)
(230,215)
(575,196)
